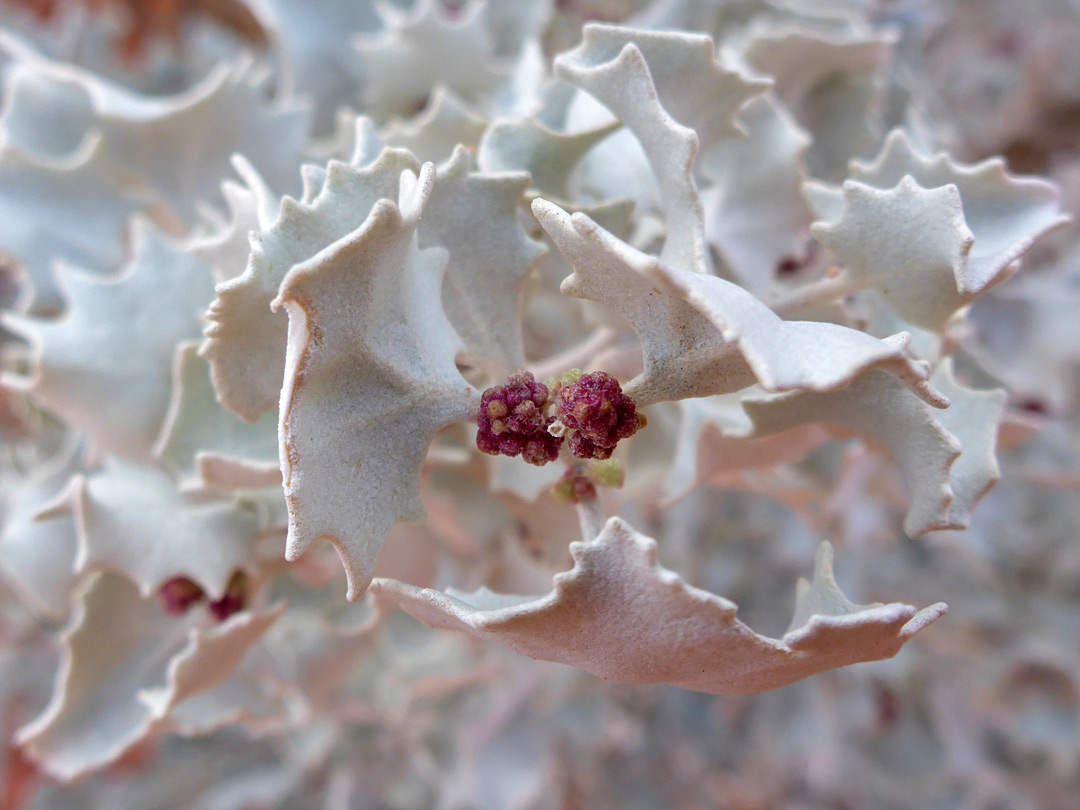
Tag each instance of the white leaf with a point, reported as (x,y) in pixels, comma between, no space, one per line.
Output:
(801,56)
(176,148)
(622,82)
(620,616)
(487,267)
(755,214)
(445,123)
(911,244)
(421,48)
(37,552)
(877,407)
(197,428)
(117,646)
(70,209)
(112,382)
(702,335)
(252,206)
(1004,213)
(370,378)
(313,37)
(245,340)
(708,450)
(133,521)
(530,145)
(973,417)
(482,290)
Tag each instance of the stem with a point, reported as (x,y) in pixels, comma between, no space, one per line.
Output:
(591,519)
(576,356)
(823,291)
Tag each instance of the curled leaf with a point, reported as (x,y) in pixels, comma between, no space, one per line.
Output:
(370,378)
(877,407)
(133,521)
(702,335)
(620,616)
(80,358)
(125,665)
(245,339)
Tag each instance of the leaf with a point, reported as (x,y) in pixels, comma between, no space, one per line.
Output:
(313,37)
(910,243)
(200,437)
(370,378)
(421,48)
(171,150)
(486,268)
(698,87)
(547,154)
(117,647)
(37,552)
(801,56)
(974,418)
(621,81)
(877,407)
(620,616)
(114,383)
(70,209)
(251,207)
(702,335)
(133,521)
(484,277)
(755,213)
(1005,213)
(245,340)
(444,124)
(709,450)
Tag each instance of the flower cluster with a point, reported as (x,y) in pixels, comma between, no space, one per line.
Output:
(594,414)
(512,421)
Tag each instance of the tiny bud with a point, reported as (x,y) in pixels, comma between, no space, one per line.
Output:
(234,599)
(608,473)
(496,409)
(178,595)
(574,487)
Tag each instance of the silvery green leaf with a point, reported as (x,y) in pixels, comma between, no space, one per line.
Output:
(702,335)
(370,377)
(420,48)
(81,357)
(125,664)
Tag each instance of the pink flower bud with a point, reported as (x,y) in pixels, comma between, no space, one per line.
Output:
(512,422)
(598,414)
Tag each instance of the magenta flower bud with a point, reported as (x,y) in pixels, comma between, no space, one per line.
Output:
(178,595)
(234,599)
(574,487)
(512,422)
(598,413)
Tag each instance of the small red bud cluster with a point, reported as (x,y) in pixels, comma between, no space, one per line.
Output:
(590,411)
(179,594)
(512,421)
(597,414)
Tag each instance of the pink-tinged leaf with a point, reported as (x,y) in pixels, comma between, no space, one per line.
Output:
(620,616)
